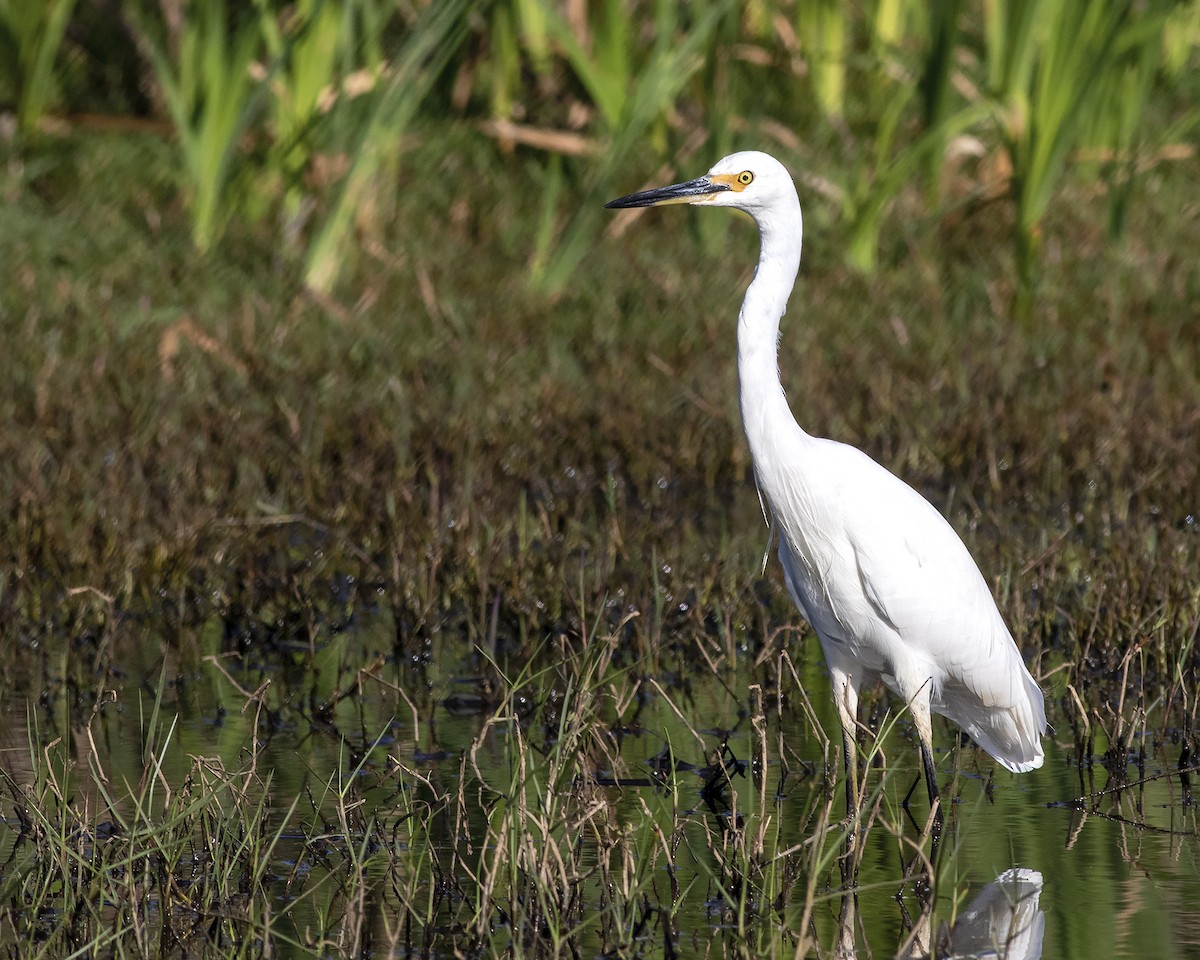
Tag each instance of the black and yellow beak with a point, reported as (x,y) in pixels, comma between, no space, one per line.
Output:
(689,192)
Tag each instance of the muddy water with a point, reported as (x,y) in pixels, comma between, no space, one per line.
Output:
(1060,863)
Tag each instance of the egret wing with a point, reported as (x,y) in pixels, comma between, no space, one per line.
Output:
(920,579)
(935,608)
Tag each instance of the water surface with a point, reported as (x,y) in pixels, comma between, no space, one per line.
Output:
(1098,869)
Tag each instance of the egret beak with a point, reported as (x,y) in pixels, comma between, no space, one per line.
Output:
(693,191)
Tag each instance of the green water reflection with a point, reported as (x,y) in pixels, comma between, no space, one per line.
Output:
(1118,878)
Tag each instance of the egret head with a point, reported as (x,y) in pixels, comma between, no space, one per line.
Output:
(749,181)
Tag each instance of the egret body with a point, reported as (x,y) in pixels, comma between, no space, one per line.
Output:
(887,584)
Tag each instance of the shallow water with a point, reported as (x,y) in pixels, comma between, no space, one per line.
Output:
(1110,875)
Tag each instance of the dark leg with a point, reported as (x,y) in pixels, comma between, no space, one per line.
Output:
(850,756)
(848,862)
(919,705)
(930,774)
(935,802)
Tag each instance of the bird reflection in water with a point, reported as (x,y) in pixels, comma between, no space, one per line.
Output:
(1003,922)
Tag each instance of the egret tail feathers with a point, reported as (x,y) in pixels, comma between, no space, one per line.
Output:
(1011,734)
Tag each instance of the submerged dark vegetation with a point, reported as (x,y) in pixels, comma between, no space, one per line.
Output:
(271,490)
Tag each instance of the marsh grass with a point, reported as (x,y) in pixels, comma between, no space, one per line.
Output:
(547,843)
(145,868)
(481,454)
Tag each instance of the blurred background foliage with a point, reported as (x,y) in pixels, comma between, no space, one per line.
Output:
(295,117)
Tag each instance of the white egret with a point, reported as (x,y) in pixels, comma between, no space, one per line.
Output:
(887,584)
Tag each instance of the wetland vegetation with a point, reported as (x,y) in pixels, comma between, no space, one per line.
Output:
(380,569)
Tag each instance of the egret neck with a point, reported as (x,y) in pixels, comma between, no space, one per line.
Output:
(766,415)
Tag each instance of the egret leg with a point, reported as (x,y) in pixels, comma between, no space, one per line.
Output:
(921,717)
(845,692)
(930,774)
(850,758)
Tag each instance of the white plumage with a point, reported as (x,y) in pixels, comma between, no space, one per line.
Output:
(887,584)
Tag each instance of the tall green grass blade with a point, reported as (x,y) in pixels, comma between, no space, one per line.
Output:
(1074,59)
(1058,73)
(31,35)
(899,169)
(888,23)
(429,47)
(212,98)
(545,236)
(822,27)
(934,84)
(671,64)
(505,62)
(1181,36)
(1114,132)
(1011,41)
(614,45)
(308,52)
(533,16)
(605,72)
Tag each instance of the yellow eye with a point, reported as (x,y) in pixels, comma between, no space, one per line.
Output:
(745,178)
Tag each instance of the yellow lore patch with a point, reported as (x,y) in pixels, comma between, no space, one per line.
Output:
(737,182)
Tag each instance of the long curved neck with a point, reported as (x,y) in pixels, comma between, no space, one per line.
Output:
(765,414)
